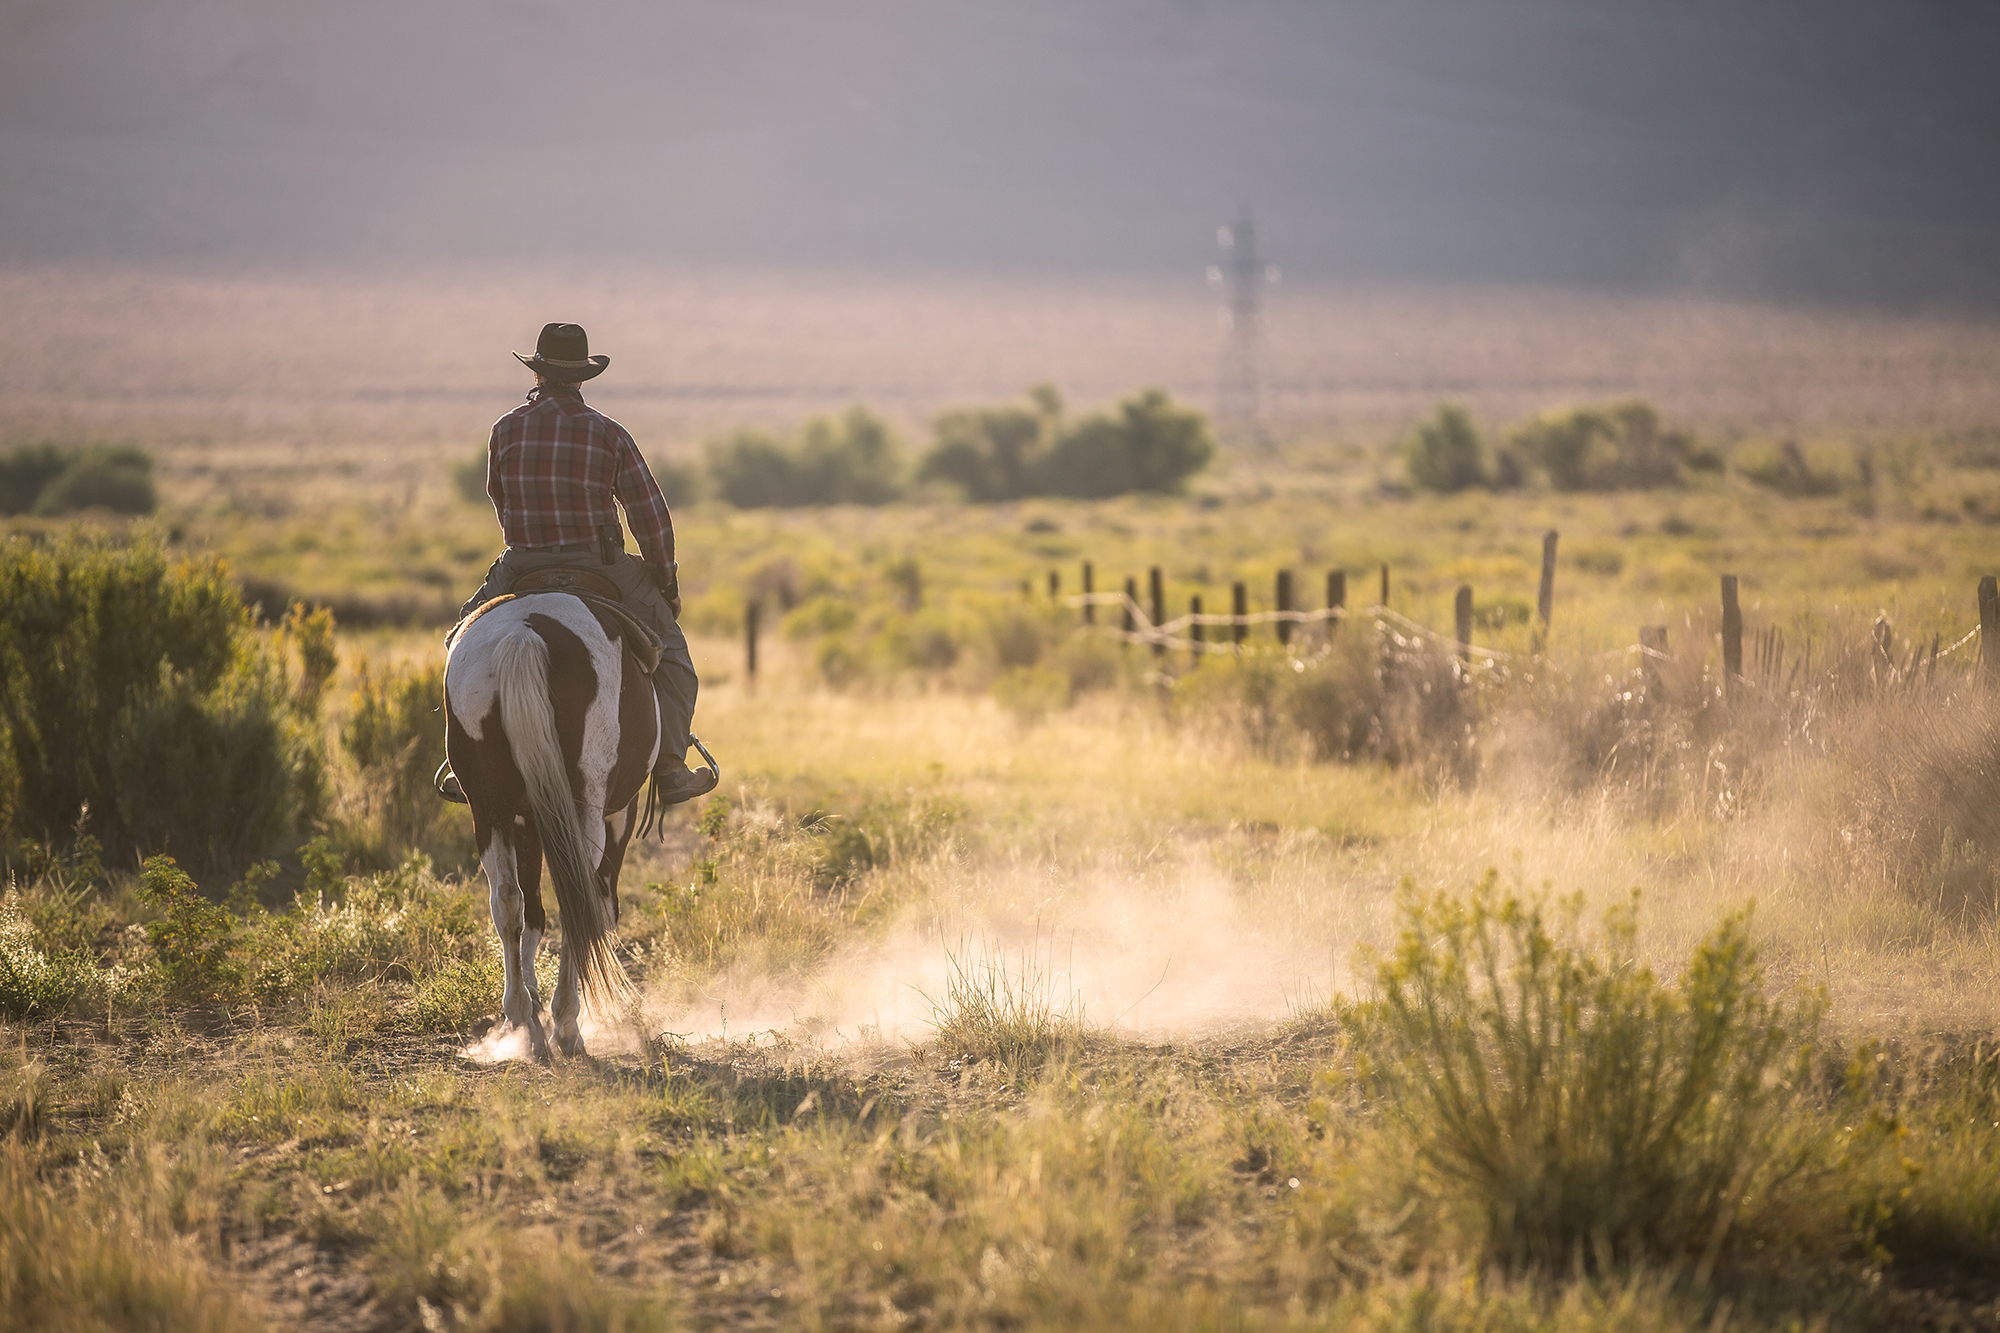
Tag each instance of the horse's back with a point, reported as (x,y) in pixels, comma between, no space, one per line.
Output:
(585,673)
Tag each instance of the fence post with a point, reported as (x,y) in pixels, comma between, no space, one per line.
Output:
(1055,584)
(1989,628)
(1385,588)
(1156,590)
(1131,600)
(1195,628)
(1732,636)
(1284,604)
(1462,605)
(1089,611)
(1239,606)
(1336,597)
(750,646)
(1545,600)
(1653,646)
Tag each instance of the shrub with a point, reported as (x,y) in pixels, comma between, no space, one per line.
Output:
(48,479)
(24,471)
(1566,1097)
(125,680)
(116,478)
(34,983)
(217,776)
(986,452)
(1001,453)
(1619,447)
(853,460)
(468,478)
(395,734)
(680,483)
(1444,454)
(457,994)
(1786,471)
(191,938)
(1148,445)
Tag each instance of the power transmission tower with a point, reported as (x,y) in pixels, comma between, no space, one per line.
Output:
(1243,275)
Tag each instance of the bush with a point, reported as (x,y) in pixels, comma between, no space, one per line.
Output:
(34,983)
(395,734)
(1005,453)
(217,776)
(130,686)
(1444,453)
(457,994)
(850,461)
(988,452)
(47,479)
(1786,471)
(1564,1096)
(680,483)
(468,478)
(191,938)
(1619,447)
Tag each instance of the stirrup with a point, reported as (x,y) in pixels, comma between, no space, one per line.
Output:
(447,784)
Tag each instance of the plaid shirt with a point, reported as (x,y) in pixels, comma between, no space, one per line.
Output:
(553,468)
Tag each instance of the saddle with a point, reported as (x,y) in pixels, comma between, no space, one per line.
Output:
(598,593)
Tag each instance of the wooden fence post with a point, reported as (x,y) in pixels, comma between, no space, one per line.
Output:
(1239,606)
(1732,636)
(1195,628)
(1385,587)
(1653,647)
(1131,600)
(750,646)
(1989,628)
(1336,597)
(1284,604)
(1545,600)
(1089,611)
(1055,584)
(1462,606)
(1156,589)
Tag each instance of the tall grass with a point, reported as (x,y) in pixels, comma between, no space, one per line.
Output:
(1008,1013)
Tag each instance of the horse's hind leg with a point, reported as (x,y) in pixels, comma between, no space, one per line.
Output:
(568,1004)
(501,858)
(535,920)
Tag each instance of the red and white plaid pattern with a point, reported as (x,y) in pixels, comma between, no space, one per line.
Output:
(553,468)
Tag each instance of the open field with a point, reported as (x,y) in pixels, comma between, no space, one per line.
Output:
(1017,980)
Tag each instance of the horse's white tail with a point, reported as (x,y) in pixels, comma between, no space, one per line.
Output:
(521,669)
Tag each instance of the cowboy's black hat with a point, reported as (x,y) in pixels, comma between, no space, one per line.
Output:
(563,353)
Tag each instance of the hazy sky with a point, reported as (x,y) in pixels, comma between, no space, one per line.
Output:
(1835,149)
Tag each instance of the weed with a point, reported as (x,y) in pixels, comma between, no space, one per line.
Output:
(456,995)
(1009,1015)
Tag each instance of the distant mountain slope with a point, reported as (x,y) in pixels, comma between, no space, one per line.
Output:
(1840,149)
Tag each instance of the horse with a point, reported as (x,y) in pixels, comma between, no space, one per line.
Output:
(552,728)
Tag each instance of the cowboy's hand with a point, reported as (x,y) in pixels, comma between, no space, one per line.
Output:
(667,579)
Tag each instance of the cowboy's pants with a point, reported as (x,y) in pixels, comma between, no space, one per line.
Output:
(674,681)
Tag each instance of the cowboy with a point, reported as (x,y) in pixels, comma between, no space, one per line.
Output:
(553,468)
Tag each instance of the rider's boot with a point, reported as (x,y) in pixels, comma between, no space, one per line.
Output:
(676,781)
(447,786)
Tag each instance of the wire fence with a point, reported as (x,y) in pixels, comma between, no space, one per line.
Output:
(1187,633)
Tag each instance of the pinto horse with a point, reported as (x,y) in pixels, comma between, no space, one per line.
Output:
(552,728)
